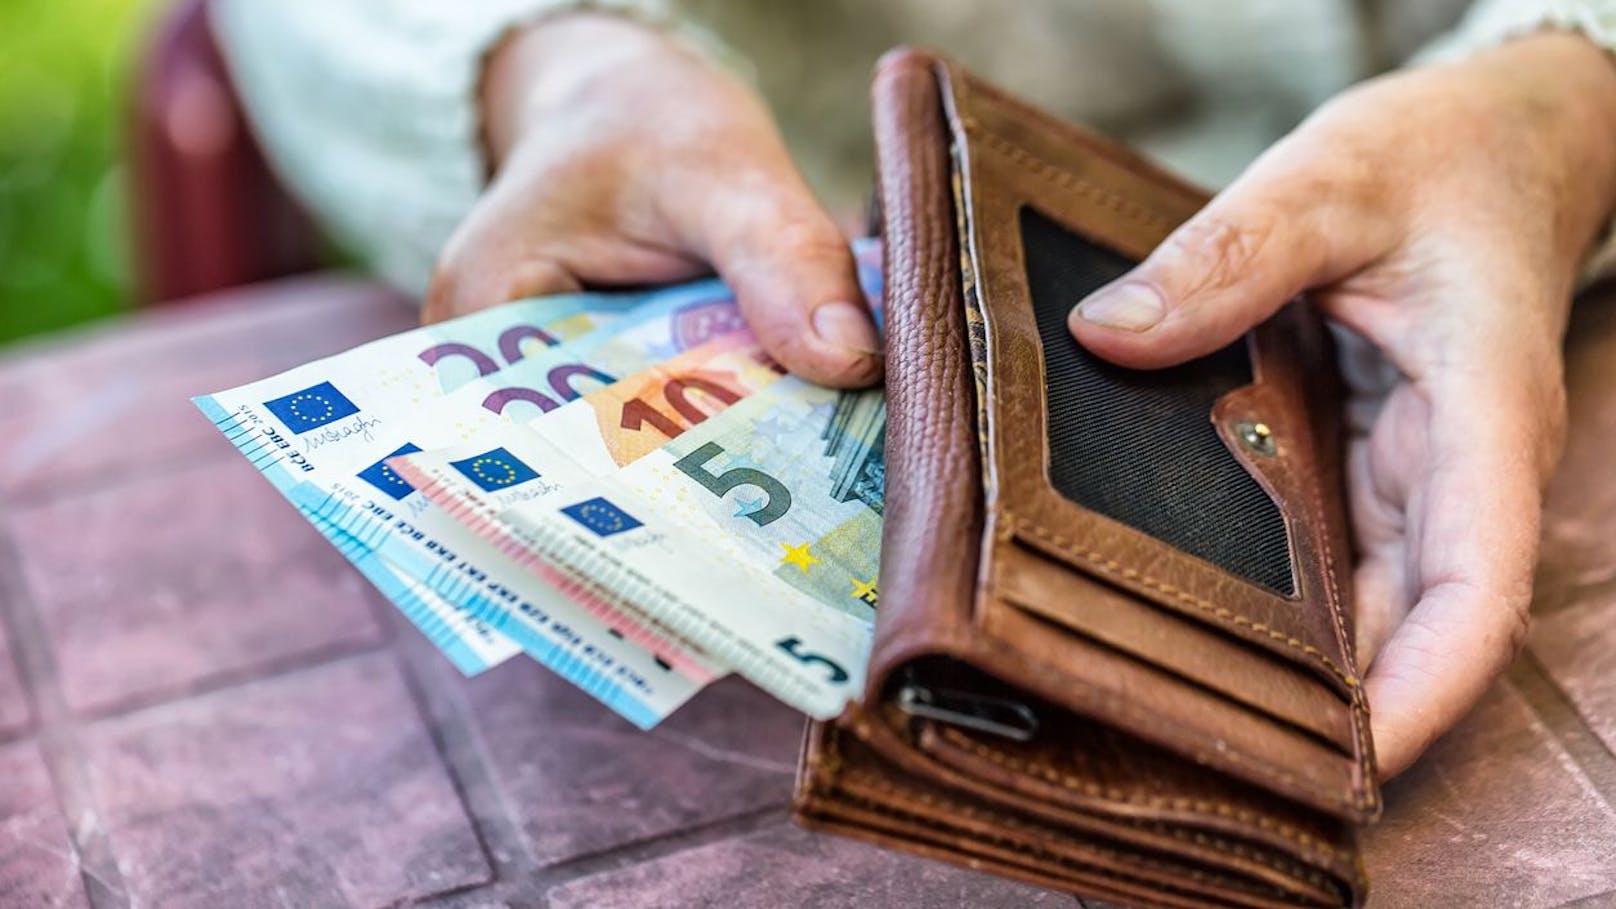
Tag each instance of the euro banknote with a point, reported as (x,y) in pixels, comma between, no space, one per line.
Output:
(415,365)
(668,328)
(409,532)
(754,534)
(324,434)
(338,418)
(470,645)
(591,436)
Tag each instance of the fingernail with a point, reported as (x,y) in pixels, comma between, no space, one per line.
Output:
(848,326)
(1130,307)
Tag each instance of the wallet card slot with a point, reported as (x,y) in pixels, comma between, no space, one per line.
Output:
(1113,688)
(1139,446)
(1224,665)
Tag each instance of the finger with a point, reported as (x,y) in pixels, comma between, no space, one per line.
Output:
(793,276)
(1294,220)
(475,282)
(494,256)
(1380,586)
(1473,530)
(1381,473)
(520,242)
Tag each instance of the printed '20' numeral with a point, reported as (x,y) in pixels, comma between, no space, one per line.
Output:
(560,378)
(777,499)
(510,347)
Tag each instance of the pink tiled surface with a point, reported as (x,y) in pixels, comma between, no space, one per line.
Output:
(320,786)
(39,863)
(786,866)
(193,605)
(68,399)
(201,705)
(1574,645)
(559,759)
(1486,811)
(14,711)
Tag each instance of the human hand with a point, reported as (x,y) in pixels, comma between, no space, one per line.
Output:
(1439,215)
(622,157)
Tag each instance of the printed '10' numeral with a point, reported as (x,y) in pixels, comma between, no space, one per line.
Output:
(638,414)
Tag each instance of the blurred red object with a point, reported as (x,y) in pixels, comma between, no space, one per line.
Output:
(208,213)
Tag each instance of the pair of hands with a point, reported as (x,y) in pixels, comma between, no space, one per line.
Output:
(1438,215)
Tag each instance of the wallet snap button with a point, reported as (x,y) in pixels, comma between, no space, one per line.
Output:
(1255,436)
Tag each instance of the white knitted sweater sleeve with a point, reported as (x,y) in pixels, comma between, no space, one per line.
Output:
(368,109)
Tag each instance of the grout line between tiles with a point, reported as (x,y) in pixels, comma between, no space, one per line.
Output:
(58,734)
(433,685)
(1561,717)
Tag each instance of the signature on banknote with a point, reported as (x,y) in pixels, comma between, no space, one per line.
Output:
(362,426)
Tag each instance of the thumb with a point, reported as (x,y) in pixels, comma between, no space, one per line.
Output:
(1277,231)
(794,278)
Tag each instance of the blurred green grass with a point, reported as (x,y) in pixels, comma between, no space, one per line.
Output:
(65,78)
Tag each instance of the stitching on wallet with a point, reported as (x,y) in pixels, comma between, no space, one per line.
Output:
(995,818)
(1099,560)
(1366,800)
(1360,798)
(1194,806)
(1111,200)
(1112,566)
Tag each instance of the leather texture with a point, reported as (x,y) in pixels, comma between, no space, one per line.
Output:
(1122,718)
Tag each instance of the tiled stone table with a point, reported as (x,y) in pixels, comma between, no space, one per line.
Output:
(202,706)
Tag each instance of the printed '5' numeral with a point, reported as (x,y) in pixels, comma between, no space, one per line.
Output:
(793,646)
(778,498)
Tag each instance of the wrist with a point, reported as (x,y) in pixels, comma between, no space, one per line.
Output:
(1567,87)
(560,64)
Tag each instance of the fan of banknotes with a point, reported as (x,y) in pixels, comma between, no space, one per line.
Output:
(623,487)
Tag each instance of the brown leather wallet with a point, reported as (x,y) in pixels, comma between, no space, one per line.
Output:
(1113,653)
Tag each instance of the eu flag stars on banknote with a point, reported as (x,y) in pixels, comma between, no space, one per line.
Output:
(311,408)
(622,487)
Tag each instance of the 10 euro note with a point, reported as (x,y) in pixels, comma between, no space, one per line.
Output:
(633,416)
(754,534)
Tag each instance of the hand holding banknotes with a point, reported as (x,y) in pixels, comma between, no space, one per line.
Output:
(622,157)
(1440,216)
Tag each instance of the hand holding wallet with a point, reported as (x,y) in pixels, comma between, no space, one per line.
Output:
(1114,649)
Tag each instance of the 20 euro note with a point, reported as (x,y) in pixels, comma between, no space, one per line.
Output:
(319,410)
(633,683)
(342,482)
(302,409)
(409,533)
(534,388)
(594,435)
(755,534)
(470,645)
